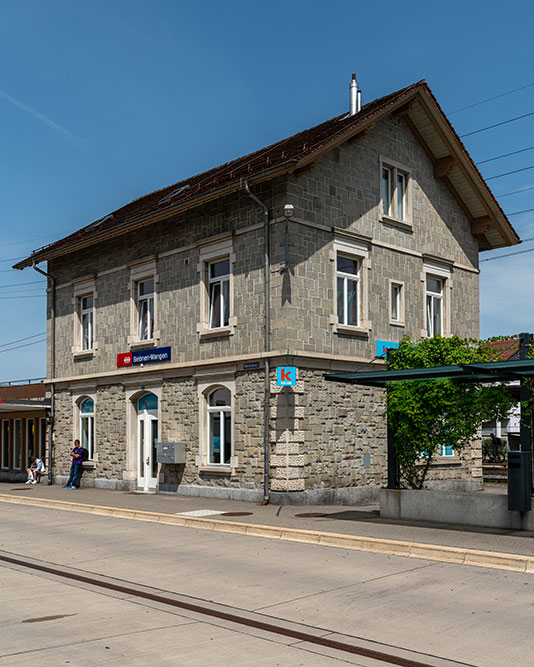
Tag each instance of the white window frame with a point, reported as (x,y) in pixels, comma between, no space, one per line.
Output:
(206,387)
(84,287)
(390,211)
(400,320)
(443,272)
(434,300)
(348,279)
(359,251)
(210,254)
(221,281)
(140,273)
(77,400)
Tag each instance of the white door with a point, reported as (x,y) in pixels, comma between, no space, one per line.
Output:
(147,437)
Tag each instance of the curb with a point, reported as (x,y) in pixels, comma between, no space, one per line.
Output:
(444,554)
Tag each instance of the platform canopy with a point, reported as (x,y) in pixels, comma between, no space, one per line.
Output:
(490,371)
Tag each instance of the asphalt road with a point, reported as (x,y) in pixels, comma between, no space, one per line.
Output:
(407,608)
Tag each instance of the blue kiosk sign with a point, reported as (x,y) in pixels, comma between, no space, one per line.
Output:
(286,376)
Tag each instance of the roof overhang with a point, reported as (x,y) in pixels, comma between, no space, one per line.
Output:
(23,406)
(491,371)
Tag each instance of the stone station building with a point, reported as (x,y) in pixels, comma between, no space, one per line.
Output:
(168,318)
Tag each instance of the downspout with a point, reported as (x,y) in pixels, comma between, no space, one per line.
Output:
(50,420)
(266,338)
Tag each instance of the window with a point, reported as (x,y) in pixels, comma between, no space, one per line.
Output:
(434,306)
(396,303)
(145,309)
(350,271)
(30,440)
(395,191)
(42,439)
(17,444)
(87,426)
(216,289)
(5,443)
(348,297)
(219,293)
(143,305)
(84,317)
(447,450)
(86,321)
(219,427)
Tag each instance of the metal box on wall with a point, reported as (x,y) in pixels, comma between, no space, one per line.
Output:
(170,452)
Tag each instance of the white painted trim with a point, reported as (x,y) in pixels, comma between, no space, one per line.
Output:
(205,384)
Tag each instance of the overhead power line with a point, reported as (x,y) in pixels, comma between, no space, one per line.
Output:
(516,192)
(490,99)
(527,210)
(31,282)
(20,340)
(498,157)
(504,122)
(510,254)
(507,173)
(25,345)
(24,296)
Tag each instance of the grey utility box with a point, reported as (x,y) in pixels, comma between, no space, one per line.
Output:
(171,452)
(519,481)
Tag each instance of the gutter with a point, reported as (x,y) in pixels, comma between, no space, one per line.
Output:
(266,338)
(50,420)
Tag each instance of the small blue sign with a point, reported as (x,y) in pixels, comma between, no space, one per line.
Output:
(250,365)
(286,376)
(383,345)
(152,356)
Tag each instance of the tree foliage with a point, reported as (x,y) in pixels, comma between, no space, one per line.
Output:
(429,415)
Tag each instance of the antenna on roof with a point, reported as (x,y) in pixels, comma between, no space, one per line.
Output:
(172,195)
(355,96)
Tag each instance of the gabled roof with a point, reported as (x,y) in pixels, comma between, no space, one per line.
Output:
(415,103)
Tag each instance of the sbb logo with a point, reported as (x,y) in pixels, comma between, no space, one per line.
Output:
(124,359)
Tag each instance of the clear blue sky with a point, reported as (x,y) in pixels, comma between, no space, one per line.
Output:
(101,102)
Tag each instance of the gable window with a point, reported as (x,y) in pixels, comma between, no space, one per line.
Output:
(145,309)
(348,290)
(434,306)
(396,303)
(86,322)
(219,293)
(219,427)
(395,187)
(87,426)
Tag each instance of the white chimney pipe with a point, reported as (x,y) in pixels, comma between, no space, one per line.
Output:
(355,96)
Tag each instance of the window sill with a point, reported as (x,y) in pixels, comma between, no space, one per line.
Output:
(84,354)
(91,464)
(142,344)
(216,333)
(348,329)
(216,469)
(397,223)
(395,323)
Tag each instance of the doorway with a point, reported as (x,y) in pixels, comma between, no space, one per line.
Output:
(147,437)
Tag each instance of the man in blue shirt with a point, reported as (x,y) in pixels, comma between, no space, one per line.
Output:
(76,466)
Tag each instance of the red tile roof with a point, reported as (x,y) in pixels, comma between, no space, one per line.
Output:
(506,349)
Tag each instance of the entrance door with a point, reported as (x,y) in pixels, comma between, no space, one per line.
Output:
(147,437)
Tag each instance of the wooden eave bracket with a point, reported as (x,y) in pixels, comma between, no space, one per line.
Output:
(306,168)
(480,226)
(443,165)
(404,109)
(361,135)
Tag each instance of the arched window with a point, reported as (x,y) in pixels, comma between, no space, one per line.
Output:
(219,426)
(87,426)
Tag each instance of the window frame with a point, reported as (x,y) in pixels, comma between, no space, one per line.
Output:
(6,445)
(357,250)
(396,171)
(225,413)
(348,278)
(400,320)
(433,268)
(83,288)
(17,422)
(206,387)
(78,401)
(140,273)
(435,298)
(224,295)
(210,254)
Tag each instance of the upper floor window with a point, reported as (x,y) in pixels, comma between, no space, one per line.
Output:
(348,290)
(219,293)
(86,304)
(395,191)
(434,306)
(396,303)
(145,309)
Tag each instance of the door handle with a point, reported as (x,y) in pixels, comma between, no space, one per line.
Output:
(147,461)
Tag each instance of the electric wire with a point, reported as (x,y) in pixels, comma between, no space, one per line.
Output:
(31,282)
(504,122)
(25,345)
(527,210)
(507,173)
(20,340)
(490,99)
(499,157)
(510,254)
(516,192)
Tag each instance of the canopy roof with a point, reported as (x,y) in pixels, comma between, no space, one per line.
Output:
(490,371)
